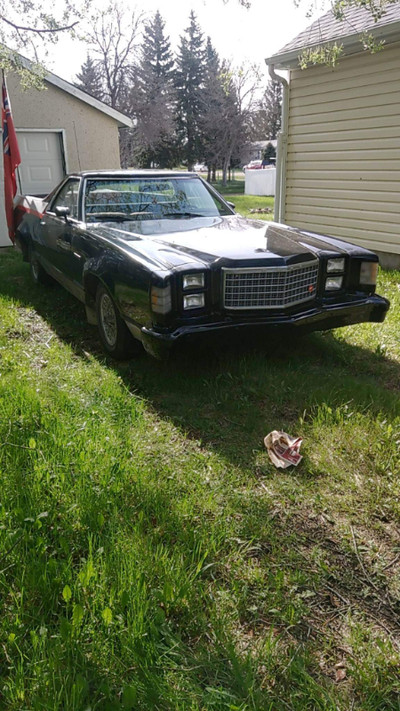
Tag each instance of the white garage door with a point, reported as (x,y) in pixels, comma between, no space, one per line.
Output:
(42,161)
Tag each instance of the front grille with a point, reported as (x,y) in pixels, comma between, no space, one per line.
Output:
(269,287)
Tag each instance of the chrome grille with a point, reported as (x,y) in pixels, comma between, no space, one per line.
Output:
(269,287)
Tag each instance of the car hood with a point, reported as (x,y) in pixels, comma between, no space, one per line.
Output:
(175,242)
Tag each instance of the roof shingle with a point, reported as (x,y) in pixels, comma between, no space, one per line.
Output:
(327,28)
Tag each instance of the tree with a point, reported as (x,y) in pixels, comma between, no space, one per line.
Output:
(272,107)
(113,41)
(189,82)
(30,26)
(267,116)
(269,153)
(240,86)
(213,99)
(152,98)
(90,78)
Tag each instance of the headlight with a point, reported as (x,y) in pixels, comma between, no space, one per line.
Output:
(193,281)
(161,299)
(368,273)
(335,265)
(193,301)
(333,283)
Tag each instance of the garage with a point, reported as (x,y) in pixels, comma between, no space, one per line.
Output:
(60,130)
(42,161)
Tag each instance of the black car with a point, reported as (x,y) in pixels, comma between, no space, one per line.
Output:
(161,256)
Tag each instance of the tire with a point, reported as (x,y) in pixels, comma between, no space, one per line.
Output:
(115,336)
(38,274)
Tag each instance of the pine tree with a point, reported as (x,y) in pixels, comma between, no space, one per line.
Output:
(269,153)
(189,82)
(213,101)
(89,78)
(157,57)
(273,108)
(153,98)
(267,119)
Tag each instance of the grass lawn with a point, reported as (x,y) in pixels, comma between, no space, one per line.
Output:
(234,192)
(151,557)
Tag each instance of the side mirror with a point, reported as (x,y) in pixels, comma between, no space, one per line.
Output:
(62,211)
(231,204)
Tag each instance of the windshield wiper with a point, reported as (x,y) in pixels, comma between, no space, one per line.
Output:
(182,214)
(117,216)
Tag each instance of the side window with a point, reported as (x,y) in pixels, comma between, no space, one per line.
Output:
(68,197)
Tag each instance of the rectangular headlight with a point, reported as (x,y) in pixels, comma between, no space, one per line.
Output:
(193,281)
(161,299)
(333,283)
(368,273)
(193,301)
(335,265)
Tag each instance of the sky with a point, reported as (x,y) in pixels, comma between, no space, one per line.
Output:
(236,33)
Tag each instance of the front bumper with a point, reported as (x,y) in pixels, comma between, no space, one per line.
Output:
(369,309)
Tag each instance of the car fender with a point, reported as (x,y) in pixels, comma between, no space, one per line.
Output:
(129,287)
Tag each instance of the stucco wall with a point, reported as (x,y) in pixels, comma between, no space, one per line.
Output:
(92,140)
(343,163)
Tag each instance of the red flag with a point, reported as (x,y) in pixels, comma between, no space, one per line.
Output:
(11,158)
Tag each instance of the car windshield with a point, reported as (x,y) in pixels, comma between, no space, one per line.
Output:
(150,199)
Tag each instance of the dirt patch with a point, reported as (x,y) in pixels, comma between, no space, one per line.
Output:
(34,327)
(352,586)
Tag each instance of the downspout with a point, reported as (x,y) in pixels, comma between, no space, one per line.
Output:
(280,188)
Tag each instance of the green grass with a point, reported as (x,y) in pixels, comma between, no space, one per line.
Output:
(151,557)
(246,205)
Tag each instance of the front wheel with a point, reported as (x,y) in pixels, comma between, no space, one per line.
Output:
(114,334)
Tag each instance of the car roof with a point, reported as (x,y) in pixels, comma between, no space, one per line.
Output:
(140,173)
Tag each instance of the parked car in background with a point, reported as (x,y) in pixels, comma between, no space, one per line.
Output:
(253,165)
(158,256)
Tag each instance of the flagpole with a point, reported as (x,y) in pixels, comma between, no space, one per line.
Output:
(11,157)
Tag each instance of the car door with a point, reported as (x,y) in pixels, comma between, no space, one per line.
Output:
(57,231)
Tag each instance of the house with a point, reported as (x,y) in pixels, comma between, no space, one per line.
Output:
(59,130)
(256,150)
(338,169)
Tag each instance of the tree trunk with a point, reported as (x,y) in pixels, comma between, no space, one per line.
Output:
(225,171)
(226,164)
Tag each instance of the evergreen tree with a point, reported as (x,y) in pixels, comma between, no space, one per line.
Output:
(189,82)
(156,49)
(214,98)
(89,78)
(153,98)
(273,108)
(269,153)
(267,118)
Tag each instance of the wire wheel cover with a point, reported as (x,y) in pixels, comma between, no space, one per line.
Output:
(108,318)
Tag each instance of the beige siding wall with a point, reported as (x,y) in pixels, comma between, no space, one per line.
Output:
(343,163)
(92,140)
